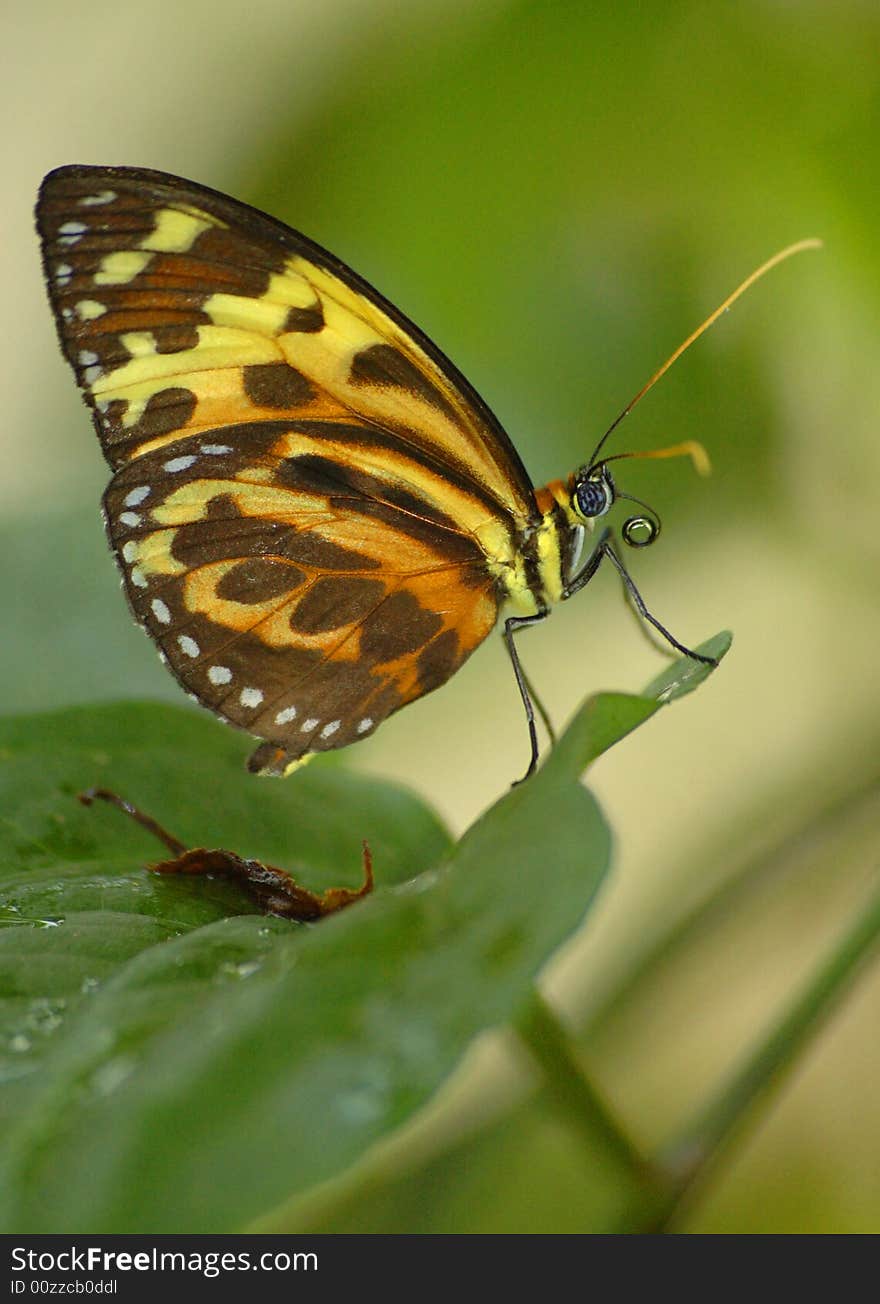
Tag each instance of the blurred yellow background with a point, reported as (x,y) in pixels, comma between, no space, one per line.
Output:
(557,194)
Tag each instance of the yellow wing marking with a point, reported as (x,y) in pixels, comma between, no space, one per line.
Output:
(175,232)
(191,502)
(151,554)
(121,267)
(268,312)
(149,372)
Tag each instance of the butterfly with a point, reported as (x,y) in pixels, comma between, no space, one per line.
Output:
(316,517)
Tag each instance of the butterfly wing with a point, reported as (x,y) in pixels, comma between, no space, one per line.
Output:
(313,511)
(286,591)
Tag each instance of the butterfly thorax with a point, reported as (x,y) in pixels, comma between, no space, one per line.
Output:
(548,553)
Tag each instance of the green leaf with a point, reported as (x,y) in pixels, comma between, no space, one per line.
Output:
(75,901)
(214,1066)
(684,675)
(606,718)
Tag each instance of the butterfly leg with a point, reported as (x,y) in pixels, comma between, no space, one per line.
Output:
(511,625)
(605,548)
(540,708)
(275,891)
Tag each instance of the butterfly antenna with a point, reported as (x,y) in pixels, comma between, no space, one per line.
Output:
(756,275)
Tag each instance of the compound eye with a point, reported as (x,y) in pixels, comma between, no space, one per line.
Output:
(592,498)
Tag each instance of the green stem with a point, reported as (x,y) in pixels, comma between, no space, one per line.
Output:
(687,1159)
(666,1186)
(578,1099)
(729,895)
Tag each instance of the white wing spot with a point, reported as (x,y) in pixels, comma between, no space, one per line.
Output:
(138,577)
(179,464)
(129,518)
(91,374)
(219,674)
(70,232)
(365,724)
(129,550)
(214,450)
(189,646)
(67,314)
(137,495)
(285,716)
(250,697)
(330,729)
(87,358)
(160,611)
(63,272)
(105,197)
(308,725)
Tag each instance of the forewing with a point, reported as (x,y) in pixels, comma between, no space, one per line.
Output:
(182,310)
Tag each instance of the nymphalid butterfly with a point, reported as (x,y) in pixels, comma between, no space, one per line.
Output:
(316,516)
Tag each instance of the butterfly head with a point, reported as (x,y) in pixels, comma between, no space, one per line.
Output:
(593,491)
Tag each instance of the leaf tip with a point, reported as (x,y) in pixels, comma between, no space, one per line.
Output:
(687,673)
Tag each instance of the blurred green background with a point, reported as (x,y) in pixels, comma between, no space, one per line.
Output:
(558,194)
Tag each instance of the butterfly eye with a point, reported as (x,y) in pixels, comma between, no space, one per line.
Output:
(593,497)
